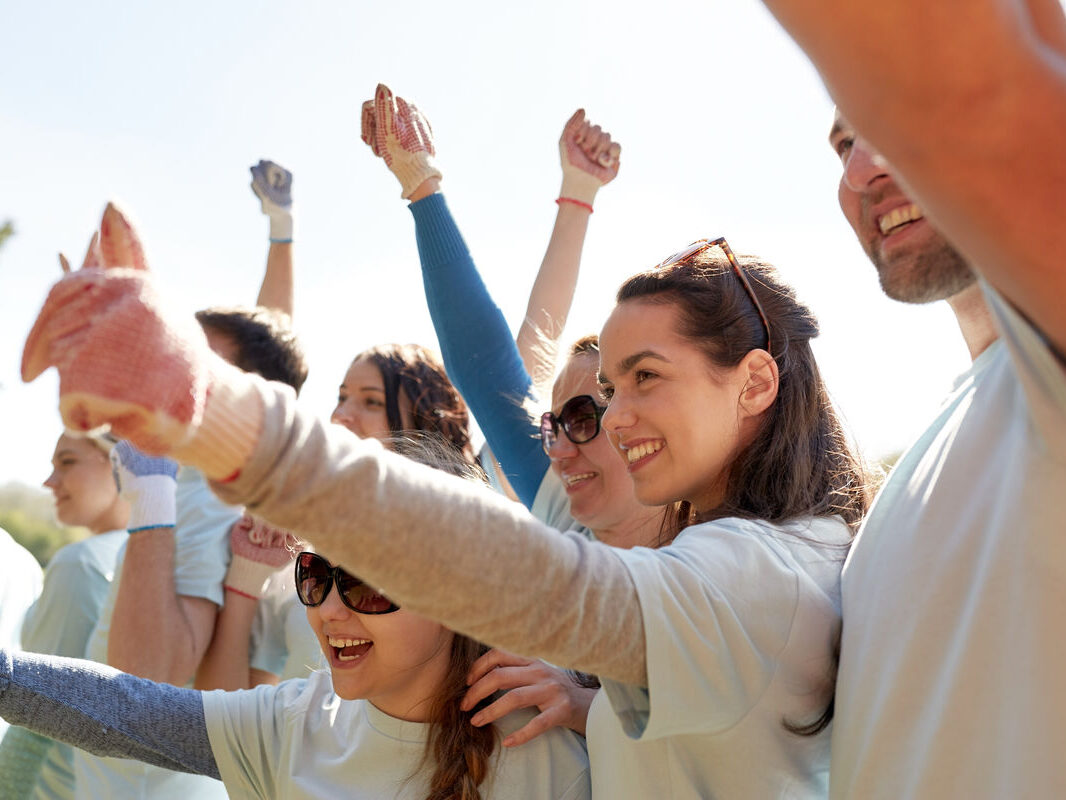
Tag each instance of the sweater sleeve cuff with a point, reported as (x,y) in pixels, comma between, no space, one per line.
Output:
(439,240)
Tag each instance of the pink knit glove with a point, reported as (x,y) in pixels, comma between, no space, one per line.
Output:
(259,550)
(589,158)
(397,132)
(123,362)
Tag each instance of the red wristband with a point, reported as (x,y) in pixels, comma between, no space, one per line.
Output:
(582,203)
(238,591)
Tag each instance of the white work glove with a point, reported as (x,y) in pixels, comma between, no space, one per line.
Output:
(272,184)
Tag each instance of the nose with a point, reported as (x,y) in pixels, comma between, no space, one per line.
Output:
(562,448)
(344,415)
(52,481)
(619,414)
(863,165)
(332,607)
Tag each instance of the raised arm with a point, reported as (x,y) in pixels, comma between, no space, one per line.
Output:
(589,159)
(479,352)
(155,632)
(967,100)
(272,184)
(106,712)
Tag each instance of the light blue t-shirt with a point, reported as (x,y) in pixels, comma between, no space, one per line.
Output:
(76,583)
(20,584)
(201,558)
(283,642)
(298,740)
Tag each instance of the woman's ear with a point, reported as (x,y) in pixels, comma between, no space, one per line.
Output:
(759,370)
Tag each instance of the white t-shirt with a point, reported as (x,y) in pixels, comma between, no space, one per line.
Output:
(299,740)
(201,557)
(951,672)
(741,619)
(21,579)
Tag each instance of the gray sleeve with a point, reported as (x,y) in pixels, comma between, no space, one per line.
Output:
(444,547)
(106,712)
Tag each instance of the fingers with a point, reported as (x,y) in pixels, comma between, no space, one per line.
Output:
(367,132)
(92,255)
(64,264)
(573,126)
(527,697)
(492,659)
(119,244)
(385,114)
(612,156)
(545,721)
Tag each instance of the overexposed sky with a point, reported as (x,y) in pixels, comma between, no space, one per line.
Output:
(163,107)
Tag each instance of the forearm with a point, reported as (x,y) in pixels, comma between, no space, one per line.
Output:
(553,293)
(105,712)
(479,351)
(151,634)
(226,663)
(967,101)
(443,547)
(277,290)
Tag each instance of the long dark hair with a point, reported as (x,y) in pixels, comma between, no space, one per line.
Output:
(800,462)
(436,405)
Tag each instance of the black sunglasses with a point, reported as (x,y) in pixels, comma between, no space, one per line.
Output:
(315,576)
(579,419)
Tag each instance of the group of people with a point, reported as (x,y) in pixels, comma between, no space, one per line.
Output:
(680,586)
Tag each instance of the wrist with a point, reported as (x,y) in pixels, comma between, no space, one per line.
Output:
(429,186)
(230,426)
(152,503)
(571,202)
(579,185)
(247,577)
(281,227)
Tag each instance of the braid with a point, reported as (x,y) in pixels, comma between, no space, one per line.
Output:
(462,752)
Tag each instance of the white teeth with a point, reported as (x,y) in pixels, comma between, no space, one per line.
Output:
(644,449)
(899,216)
(578,477)
(334,642)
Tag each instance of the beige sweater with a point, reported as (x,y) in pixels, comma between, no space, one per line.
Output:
(443,547)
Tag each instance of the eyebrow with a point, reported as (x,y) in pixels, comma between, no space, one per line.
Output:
(364,388)
(627,363)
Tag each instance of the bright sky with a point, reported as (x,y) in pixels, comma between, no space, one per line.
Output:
(723,125)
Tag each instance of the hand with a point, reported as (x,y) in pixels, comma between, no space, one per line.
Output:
(122,362)
(532,683)
(272,184)
(148,484)
(589,157)
(397,132)
(259,550)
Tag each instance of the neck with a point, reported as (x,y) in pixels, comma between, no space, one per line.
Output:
(641,529)
(974,318)
(115,518)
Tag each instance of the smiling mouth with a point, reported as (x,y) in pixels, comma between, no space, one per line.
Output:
(898,218)
(578,477)
(349,649)
(643,450)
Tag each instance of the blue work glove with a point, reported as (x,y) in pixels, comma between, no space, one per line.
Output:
(149,484)
(272,184)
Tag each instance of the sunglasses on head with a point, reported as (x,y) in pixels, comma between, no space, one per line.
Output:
(315,576)
(705,244)
(579,419)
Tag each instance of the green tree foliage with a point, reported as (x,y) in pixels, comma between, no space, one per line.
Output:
(27,514)
(6,230)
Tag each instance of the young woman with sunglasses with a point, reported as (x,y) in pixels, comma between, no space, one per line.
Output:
(717,651)
(76,584)
(384,721)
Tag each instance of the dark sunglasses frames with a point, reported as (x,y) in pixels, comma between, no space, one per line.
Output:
(315,576)
(579,419)
(705,244)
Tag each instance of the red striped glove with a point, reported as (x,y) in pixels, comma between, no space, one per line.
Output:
(259,550)
(123,362)
(397,132)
